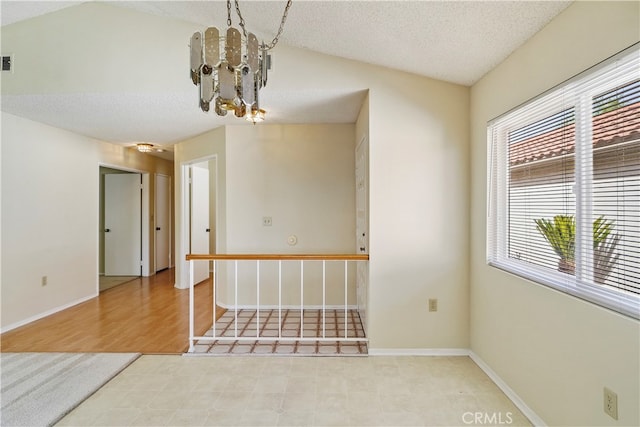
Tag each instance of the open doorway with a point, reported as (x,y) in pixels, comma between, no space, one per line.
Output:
(199,219)
(199,213)
(162,223)
(121,226)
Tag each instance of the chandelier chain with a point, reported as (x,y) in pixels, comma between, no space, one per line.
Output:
(244,30)
(228,13)
(275,40)
(281,29)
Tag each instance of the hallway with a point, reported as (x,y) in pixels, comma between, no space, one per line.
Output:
(146,315)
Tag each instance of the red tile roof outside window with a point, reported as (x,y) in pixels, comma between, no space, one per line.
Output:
(614,127)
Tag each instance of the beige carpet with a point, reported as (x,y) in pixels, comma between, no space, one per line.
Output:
(38,389)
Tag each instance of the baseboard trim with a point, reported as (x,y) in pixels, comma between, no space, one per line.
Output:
(512,395)
(418,352)
(502,385)
(45,314)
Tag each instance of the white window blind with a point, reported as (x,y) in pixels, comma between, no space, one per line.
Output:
(564,186)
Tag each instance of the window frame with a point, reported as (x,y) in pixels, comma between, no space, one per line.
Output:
(577,92)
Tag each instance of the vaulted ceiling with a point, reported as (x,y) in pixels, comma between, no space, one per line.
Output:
(453,41)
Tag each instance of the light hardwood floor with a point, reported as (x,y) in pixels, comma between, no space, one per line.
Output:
(147,315)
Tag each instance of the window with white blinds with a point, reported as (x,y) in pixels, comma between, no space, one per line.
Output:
(564,186)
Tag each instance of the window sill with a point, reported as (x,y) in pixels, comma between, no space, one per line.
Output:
(620,301)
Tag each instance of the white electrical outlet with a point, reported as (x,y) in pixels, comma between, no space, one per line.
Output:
(610,403)
(267,221)
(433,304)
(44,281)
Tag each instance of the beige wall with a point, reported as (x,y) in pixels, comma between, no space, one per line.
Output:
(419,196)
(418,214)
(65,60)
(210,145)
(362,135)
(302,176)
(555,351)
(50,216)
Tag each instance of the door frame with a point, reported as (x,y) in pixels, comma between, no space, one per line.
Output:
(362,269)
(170,219)
(182,248)
(145,219)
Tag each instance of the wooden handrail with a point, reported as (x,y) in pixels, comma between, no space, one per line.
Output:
(279,257)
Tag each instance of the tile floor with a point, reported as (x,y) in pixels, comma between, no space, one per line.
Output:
(310,324)
(296,391)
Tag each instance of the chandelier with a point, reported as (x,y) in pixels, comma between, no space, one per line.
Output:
(144,147)
(231,68)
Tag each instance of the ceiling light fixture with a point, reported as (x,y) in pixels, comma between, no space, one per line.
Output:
(231,69)
(144,147)
(254,116)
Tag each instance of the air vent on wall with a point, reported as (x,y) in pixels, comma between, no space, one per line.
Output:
(7,63)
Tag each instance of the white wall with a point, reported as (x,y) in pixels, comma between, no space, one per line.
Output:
(50,192)
(555,351)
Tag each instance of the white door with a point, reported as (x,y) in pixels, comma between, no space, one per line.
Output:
(163,222)
(200,218)
(122,224)
(362,226)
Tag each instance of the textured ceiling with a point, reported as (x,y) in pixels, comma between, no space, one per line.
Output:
(454,41)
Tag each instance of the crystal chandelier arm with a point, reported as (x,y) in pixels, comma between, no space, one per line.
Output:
(253,52)
(211,46)
(233,47)
(206,87)
(196,57)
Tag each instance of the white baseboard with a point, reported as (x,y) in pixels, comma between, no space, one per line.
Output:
(418,351)
(45,314)
(502,385)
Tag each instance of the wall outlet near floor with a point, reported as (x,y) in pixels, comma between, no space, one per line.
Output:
(44,281)
(610,403)
(267,221)
(7,63)
(433,304)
